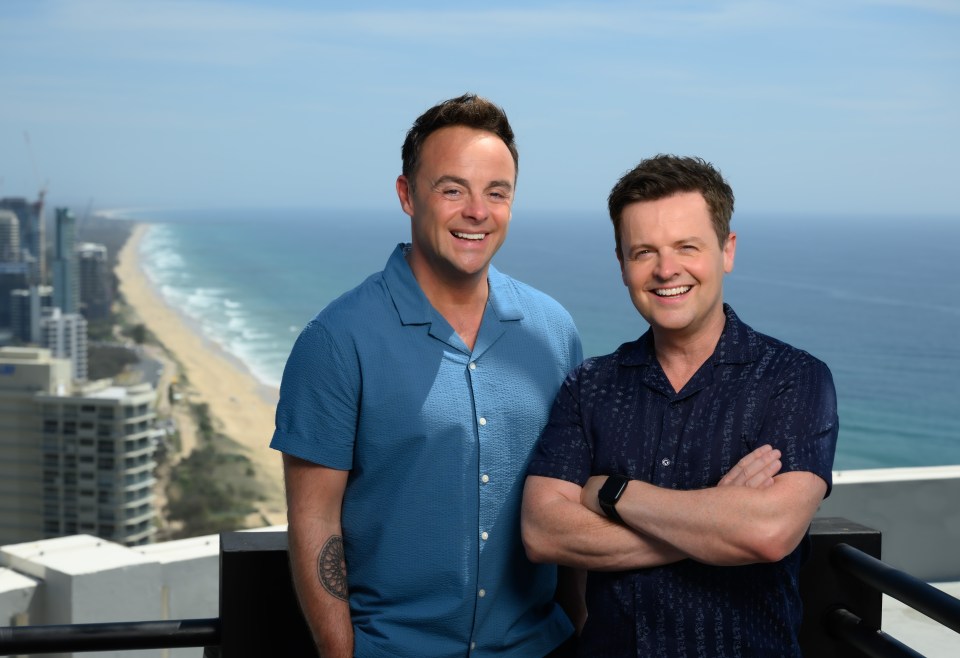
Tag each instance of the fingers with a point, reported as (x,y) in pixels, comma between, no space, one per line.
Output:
(764,478)
(755,470)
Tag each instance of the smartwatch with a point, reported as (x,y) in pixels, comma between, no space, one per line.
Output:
(610,493)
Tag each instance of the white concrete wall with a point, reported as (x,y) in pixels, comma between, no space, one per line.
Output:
(191,582)
(916,509)
(16,593)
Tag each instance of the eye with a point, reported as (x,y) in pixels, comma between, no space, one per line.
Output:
(451,192)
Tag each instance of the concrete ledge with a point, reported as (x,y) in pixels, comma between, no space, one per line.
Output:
(915,509)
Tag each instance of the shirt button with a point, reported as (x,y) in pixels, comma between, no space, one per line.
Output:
(473,366)
(484,478)
(484,535)
(482,593)
(483,421)
(473,645)
(665,461)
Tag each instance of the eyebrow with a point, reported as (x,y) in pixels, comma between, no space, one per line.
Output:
(692,238)
(447,178)
(647,245)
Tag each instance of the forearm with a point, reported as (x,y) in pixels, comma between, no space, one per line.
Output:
(314,498)
(319,576)
(726,525)
(560,530)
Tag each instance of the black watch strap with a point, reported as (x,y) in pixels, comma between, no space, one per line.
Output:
(610,493)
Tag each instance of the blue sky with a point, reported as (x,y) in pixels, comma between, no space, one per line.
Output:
(830,108)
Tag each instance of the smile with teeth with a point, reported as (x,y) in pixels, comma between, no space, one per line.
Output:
(469,236)
(671,292)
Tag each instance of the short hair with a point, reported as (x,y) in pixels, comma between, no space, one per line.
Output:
(665,175)
(469,110)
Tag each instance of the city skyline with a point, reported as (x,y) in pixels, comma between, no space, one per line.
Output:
(808,108)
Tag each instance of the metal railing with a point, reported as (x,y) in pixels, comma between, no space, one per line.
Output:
(110,637)
(841,585)
(915,593)
(854,633)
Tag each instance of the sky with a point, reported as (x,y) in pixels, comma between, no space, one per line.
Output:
(833,107)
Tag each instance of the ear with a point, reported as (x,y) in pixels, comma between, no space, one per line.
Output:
(729,251)
(405,194)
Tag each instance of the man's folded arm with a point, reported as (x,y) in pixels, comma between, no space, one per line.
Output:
(557,527)
(723,525)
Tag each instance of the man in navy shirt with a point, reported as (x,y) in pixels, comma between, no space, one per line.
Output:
(624,481)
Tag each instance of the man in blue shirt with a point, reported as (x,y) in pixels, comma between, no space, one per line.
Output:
(408,411)
(624,481)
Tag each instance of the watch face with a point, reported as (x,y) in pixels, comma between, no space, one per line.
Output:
(610,493)
(613,488)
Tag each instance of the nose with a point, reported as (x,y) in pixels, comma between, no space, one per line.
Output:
(667,265)
(476,208)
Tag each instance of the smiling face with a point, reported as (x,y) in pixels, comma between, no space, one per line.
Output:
(459,205)
(673,265)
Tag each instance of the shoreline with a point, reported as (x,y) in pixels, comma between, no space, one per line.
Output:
(241,406)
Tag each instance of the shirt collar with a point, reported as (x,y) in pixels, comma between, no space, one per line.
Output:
(737,344)
(414,307)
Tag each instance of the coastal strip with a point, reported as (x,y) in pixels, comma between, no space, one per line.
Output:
(240,406)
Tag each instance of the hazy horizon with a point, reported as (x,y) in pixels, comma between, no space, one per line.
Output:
(813,108)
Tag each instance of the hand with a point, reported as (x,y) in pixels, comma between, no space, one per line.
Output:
(756,470)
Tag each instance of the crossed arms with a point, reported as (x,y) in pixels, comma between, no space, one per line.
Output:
(752,515)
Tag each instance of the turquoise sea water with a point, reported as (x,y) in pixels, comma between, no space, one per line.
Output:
(878,300)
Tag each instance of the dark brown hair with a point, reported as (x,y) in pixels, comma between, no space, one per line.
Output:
(469,110)
(665,175)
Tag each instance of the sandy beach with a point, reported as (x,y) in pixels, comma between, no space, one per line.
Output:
(242,407)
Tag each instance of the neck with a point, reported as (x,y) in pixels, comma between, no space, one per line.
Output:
(682,355)
(461,301)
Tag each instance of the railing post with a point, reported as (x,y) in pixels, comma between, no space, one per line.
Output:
(825,588)
(259,613)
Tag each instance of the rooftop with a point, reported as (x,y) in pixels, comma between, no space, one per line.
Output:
(74,555)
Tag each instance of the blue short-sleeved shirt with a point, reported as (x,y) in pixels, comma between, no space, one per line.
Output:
(437,439)
(618,414)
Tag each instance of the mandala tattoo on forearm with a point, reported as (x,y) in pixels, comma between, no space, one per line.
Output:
(332,568)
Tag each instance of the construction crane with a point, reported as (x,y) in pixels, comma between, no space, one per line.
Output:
(38,210)
(36,172)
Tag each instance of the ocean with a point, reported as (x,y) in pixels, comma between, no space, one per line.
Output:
(877,299)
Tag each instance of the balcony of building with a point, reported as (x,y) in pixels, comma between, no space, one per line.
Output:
(232,595)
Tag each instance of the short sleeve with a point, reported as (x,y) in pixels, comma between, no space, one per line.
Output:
(316,416)
(563,451)
(801,419)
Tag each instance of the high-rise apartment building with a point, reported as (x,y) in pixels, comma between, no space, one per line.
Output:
(32,241)
(13,276)
(75,459)
(9,237)
(65,335)
(96,293)
(26,311)
(66,282)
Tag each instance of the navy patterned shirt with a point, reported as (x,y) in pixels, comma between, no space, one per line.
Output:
(618,414)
